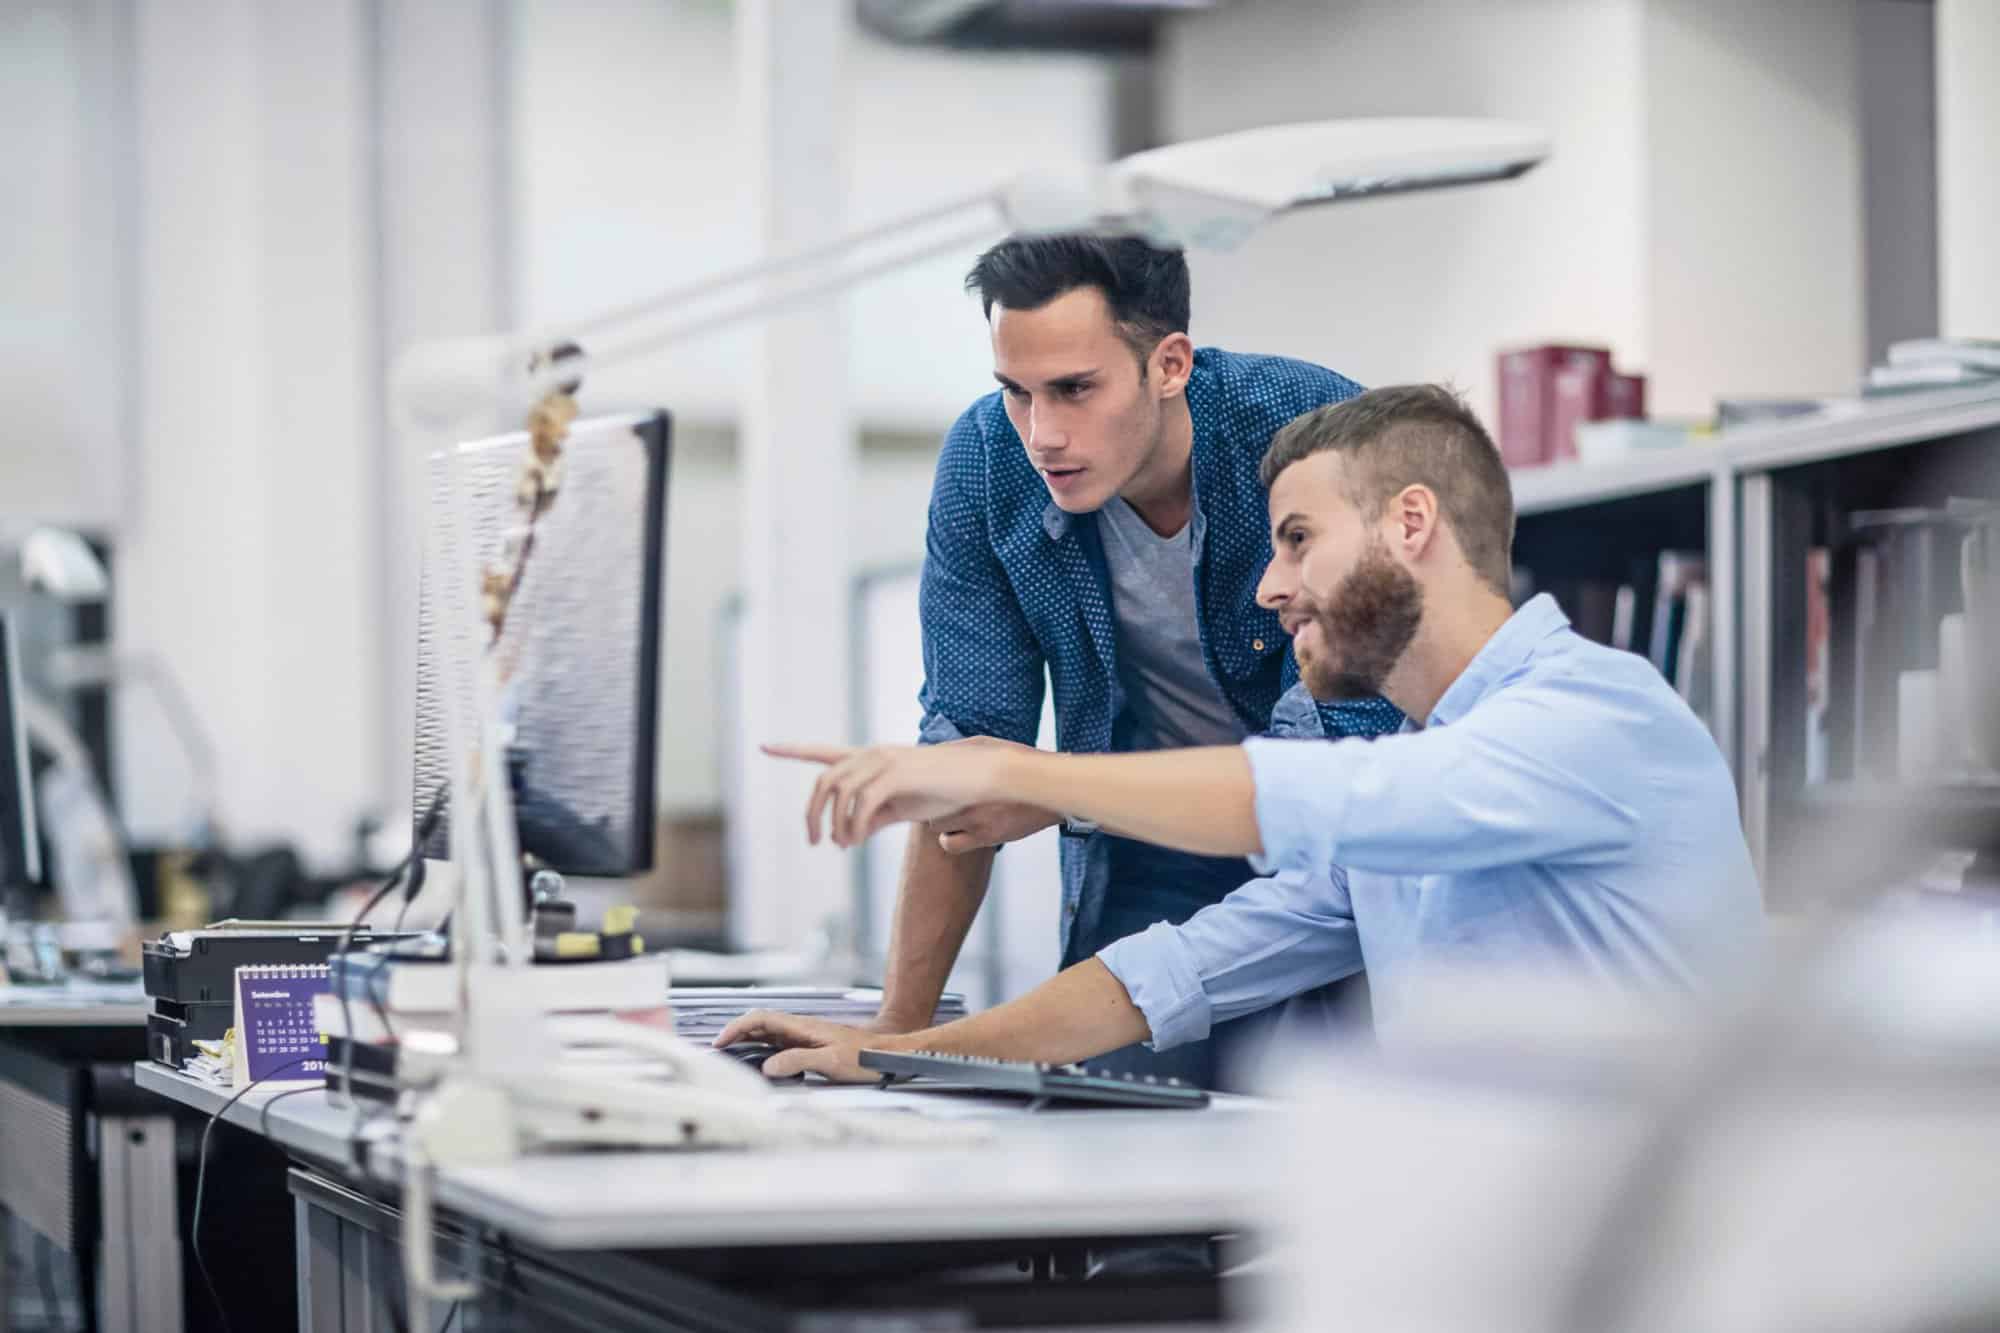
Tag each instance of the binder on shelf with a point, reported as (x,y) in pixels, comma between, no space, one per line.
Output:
(1694,675)
(1527,398)
(1624,617)
(1625,397)
(1678,570)
(1578,392)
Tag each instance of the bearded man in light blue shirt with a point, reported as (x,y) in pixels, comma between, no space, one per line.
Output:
(1558,810)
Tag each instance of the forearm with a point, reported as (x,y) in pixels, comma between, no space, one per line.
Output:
(1199,801)
(937,899)
(1080,1012)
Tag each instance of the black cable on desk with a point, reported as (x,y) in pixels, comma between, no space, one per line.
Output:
(264,1112)
(426,826)
(201,1184)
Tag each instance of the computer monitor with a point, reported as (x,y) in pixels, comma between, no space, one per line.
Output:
(20,836)
(581,648)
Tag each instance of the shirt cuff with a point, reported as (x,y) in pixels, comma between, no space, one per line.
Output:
(1158,973)
(1299,805)
(938,729)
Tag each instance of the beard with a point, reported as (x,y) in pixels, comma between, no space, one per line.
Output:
(1366,625)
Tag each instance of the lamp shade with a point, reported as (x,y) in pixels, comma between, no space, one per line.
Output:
(1212,193)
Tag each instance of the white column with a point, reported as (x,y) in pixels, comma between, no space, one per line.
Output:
(1968,168)
(247,568)
(440,159)
(797,456)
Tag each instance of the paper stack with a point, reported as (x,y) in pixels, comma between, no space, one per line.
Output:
(1936,363)
(214,1062)
(701,1012)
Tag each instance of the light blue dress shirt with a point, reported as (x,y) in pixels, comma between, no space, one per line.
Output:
(1561,809)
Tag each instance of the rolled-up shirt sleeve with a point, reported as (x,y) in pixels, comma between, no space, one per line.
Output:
(983,669)
(1269,940)
(1516,781)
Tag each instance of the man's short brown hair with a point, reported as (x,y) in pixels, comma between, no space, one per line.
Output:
(1414,434)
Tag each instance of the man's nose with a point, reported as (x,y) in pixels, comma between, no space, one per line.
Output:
(1045,433)
(1274,589)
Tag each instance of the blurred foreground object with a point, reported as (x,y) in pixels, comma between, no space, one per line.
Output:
(1483,1174)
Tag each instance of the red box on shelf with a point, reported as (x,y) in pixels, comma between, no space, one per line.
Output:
(1625,397)
(1528,426)
(1580,394)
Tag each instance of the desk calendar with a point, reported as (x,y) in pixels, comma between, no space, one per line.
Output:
(276,1036)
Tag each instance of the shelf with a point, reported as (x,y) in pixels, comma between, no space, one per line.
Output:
(1860,426)
(1559,486)
(1846,427)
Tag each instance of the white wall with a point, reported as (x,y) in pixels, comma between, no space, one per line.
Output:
(628,184)
(1754,250)
(704,571)
(63,336)
(1968,179)
(1700,213)
(246,564)
(1427,287)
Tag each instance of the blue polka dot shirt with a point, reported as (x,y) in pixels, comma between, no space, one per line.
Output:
(1016,594)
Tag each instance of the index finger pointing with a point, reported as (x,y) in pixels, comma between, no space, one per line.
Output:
(812,754)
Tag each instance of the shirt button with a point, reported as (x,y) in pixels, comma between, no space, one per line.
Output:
(1256,645)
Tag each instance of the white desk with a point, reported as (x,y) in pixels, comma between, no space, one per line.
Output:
(74,1004)
(72,1129)
(1055,1175)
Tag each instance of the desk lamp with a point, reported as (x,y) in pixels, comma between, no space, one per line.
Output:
(496,1094)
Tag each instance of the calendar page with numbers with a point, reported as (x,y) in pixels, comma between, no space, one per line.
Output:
(276,1037)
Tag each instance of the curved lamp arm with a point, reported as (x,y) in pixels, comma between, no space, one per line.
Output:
(1206,194)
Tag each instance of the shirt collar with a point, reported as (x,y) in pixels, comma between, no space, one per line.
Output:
(1201,383)
(1509,648)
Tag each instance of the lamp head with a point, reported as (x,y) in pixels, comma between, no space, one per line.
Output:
(61,564)
(1212,193)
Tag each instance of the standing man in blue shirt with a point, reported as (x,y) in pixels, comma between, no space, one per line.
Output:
(1098,520)
(1558,810)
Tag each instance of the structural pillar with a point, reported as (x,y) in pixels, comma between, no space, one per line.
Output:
(798,459)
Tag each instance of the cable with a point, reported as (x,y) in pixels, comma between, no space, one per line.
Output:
(201,1186)
(424,830)
(449,1315)
(433,811)
(264,1112)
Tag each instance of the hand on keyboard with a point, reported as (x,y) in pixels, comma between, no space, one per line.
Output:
(806,1045)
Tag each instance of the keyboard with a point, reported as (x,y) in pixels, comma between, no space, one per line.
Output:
(1072,1083)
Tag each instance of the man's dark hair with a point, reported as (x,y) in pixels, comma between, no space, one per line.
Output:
(1145,287)
(1413,434)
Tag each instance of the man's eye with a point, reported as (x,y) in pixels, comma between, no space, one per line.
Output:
(1075,390)
(1014,391)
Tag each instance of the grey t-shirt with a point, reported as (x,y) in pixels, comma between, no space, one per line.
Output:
(1171,700)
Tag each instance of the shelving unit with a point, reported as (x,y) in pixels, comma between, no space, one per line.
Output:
(1763,495)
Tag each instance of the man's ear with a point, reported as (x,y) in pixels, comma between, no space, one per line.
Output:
(1415,512)
(1171,364)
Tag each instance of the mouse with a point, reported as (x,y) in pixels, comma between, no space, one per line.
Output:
(754,1054)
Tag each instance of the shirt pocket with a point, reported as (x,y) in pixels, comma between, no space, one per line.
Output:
(1253,645)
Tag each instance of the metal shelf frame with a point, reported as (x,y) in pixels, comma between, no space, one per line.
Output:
(1759,521)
